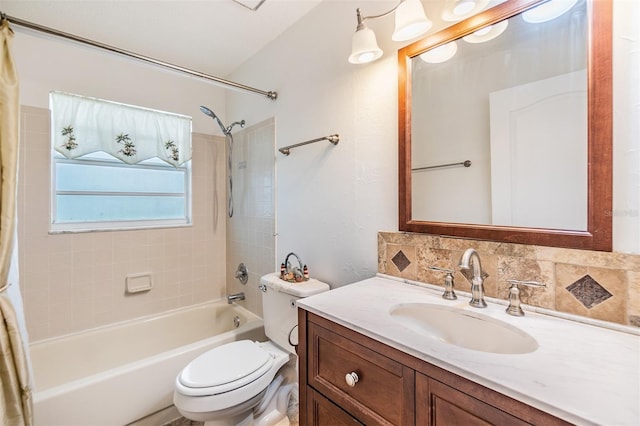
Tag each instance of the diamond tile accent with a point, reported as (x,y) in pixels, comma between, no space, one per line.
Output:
(401,261)
(588,291)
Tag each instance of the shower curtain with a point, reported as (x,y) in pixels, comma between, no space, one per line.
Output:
(15,391)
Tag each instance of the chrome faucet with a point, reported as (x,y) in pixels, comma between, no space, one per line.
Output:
(469,258)
(235,297)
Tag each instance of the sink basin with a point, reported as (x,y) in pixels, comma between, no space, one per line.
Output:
(470,330)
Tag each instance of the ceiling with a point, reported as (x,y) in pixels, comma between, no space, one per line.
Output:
(210,36)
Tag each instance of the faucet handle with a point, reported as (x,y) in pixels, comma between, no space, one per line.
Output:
(436,268)
(449,293)
(514,296)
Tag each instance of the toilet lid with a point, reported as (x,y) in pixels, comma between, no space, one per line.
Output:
(226,364)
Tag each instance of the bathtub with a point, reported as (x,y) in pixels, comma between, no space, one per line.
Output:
(120,373)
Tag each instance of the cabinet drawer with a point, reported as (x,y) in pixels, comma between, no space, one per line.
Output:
(383,393)
(324,412)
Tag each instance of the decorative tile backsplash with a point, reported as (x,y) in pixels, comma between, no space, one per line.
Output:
(588,291)
(599,285)
(400,261)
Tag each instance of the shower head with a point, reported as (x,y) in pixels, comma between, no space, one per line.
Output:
(207,111)
(211,114)
(225,130)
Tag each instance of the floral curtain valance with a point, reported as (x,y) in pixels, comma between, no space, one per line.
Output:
(83,125)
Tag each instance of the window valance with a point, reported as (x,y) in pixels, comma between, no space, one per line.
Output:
(82,125)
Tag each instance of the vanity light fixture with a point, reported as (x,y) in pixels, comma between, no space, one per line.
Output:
(457,10)
(440,54)
(548,11)
(410,22)
(487,33)
(462,7)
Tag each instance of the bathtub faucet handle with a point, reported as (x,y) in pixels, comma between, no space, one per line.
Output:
(242,274)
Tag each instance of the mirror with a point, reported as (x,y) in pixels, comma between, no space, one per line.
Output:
(510,139)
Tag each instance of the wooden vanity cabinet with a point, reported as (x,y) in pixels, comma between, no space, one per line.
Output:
(321,411)
(444,405)
(393,388)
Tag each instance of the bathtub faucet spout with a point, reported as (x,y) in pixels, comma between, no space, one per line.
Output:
(234,297)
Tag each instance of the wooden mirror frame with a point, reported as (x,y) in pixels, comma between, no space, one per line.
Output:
(598,235)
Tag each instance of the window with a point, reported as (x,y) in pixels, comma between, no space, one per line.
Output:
(117,166)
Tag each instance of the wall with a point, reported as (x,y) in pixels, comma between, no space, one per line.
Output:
(626,126)
(332,201)
(251,230)
(73,282)
(48,63)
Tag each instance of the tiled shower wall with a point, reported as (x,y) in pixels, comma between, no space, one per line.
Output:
(599,285)
(73,282)
(251,230)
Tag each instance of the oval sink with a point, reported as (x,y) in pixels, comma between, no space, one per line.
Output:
(463,328)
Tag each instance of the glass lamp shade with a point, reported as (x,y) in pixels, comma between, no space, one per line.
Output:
(462,7)
(457,10)
(440,54)
(364,47)
(411,21)
(487,33)
(548,11)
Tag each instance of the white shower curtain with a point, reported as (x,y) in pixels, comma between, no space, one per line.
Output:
(15,390)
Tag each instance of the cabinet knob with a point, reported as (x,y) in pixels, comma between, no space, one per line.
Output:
(351,379)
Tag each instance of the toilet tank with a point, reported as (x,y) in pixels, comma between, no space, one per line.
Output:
(279,307)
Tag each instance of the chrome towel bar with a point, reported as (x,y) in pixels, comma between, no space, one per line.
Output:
(334,139)
(466,163)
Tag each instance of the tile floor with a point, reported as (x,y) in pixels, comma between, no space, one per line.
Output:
(186,422)
(183,422)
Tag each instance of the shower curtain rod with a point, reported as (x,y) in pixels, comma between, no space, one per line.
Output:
(269,94)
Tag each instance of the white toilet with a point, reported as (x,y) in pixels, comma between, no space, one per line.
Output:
(244,382)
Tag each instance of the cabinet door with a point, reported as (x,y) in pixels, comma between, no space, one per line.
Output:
(439,405)
(383,393)
(322,412)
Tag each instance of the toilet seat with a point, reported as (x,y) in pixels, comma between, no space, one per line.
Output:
(241,393)
(242,362)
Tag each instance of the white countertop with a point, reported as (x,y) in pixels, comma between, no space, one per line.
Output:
(582,373)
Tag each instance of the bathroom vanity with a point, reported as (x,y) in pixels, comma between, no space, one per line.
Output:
(374,353)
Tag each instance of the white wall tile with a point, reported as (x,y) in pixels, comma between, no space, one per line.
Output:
(72,282)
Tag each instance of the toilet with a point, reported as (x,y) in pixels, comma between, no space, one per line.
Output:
(246,382)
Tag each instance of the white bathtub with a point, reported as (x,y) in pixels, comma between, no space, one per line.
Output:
(117,374)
